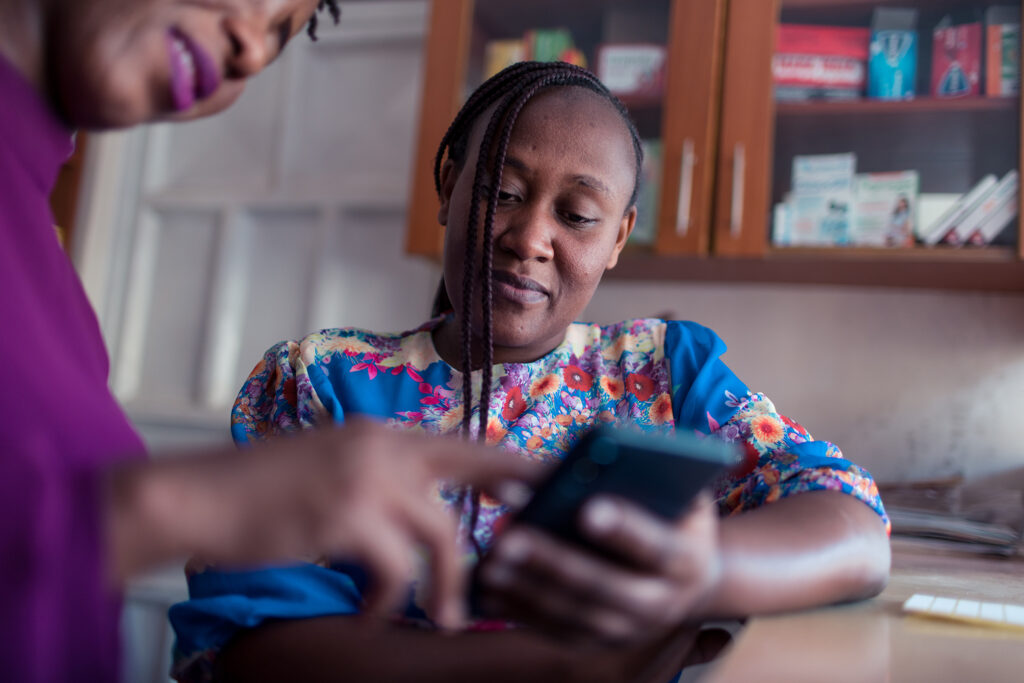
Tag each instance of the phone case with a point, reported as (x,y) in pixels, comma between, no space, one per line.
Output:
(662,473)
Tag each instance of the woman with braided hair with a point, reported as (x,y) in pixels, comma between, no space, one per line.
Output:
(81,509)
(537,178)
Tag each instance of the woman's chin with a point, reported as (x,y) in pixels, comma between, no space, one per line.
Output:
(523,345)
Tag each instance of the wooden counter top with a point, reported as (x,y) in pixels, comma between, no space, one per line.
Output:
(875,641)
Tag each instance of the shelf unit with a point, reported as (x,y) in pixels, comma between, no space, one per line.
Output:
(727,145)
(921,105)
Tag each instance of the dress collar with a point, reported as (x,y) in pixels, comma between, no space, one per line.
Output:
(560,353)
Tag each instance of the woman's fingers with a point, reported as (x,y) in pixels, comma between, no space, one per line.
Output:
(476,465)
(433,527)
(647,578)
(648,542)
(537,575)
(386,552)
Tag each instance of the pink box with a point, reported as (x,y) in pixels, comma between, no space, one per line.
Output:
(956,60)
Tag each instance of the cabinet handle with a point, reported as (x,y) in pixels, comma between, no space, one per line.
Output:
(739,172)
(685,189)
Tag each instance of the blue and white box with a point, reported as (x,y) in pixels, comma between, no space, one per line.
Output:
(892,60)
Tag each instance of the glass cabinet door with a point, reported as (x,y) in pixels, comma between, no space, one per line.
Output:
(871,130)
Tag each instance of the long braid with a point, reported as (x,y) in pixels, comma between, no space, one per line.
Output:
(487,261)
(469,282)
(329,5)
(455,138)
(513,107)
(513,88)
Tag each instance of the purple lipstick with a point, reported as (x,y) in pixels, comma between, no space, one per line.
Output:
(194,75)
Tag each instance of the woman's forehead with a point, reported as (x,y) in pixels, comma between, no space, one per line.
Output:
(553,113)
(569,119)
(560,104)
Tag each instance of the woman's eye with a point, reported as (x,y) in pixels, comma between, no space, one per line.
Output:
(576,218)
(504,196)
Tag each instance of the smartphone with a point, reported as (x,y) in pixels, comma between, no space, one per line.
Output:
(659,472)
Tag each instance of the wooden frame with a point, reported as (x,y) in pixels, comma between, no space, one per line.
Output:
(447,49)
(690,128)
(65,195)
(745,145)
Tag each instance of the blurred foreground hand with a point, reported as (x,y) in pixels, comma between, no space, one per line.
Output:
(361,491)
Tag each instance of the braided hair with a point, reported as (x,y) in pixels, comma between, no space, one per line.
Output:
(329,5)
(511,89)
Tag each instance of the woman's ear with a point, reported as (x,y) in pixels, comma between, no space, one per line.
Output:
(449,174)
(625,229)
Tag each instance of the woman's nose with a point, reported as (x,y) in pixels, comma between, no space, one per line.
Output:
(252,47)
(528,234)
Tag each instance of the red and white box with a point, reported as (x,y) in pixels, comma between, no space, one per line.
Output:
(632,69)
(827,62)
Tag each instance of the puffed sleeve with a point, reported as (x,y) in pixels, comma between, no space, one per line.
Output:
(782,457)
(277,397)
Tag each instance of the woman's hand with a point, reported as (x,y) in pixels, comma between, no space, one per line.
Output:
(659,574)
(362,492)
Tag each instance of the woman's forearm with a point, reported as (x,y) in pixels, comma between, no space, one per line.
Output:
(810,549)
(354,650)
(166,510)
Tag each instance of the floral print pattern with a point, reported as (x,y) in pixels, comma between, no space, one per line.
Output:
(645,374)
(638,373)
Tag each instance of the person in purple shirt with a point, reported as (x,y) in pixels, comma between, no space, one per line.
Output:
(80,508)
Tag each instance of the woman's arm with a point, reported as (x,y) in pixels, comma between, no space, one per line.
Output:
(809,549)
(354,650)
(814,548)
(362,492)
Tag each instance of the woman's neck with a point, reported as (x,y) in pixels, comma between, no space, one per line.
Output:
(21,38)
(447,337)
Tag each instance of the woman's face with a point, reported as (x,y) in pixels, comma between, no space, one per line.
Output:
(117,63)
(561,219)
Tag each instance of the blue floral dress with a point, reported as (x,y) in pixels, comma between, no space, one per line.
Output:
(650,374)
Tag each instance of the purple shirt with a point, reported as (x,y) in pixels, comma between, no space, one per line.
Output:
(59,424)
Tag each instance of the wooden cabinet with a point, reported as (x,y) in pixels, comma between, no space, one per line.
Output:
(685,118)
(728,146)
(64,198)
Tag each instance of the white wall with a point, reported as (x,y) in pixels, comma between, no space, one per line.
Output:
(910,384)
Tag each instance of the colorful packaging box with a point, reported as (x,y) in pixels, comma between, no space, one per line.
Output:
(1002,51)
(892,66)
(633,69)
(819,62)
(548,44)
(956,59)
(818,210)
(884,209)
(499,54)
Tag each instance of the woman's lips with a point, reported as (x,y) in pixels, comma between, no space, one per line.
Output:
(194,75)
(518,288)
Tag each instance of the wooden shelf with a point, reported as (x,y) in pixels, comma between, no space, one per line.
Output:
(936,255)
(859,12)
(871,4)
(868,6)
(989,269)
(639,102)
(922,105)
